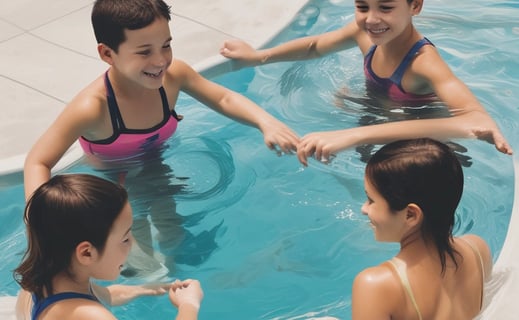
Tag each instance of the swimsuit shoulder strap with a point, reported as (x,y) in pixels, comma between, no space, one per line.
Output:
(368,57)
(165,104)
(113,107)
(396,77)
(478,254)
(40,305)
(400,269)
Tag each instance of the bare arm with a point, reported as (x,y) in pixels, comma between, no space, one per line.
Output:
(298,49)
(469,118)
(116,295)
(75,120)
(458,98)
(234,106)
(322,145)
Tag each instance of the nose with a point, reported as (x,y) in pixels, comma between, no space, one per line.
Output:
(161,59)
(363,209)
(372,16)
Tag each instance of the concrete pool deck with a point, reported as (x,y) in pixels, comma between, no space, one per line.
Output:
(48,54)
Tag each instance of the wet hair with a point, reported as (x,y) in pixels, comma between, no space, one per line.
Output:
(61,213)
(424,172)
(111,17)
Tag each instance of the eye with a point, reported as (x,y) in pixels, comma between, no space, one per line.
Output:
(144,53)
(385,8)
(167,45)
(362,8)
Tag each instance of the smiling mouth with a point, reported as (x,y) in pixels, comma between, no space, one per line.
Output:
(378,31)
(153,75)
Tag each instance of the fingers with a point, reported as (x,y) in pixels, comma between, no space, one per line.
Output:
(284,143)
(188,291)
(308,148)
(504,147)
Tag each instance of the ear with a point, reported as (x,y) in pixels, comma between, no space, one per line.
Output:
(85,253)
(413,215)
(416,7)
(105,53)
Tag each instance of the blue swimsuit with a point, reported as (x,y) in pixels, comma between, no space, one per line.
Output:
(40,305)
(392,87)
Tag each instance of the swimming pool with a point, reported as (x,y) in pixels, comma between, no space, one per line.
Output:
(286,242)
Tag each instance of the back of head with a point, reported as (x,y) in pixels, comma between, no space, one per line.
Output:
(111,17)
(61,213)
(424,172)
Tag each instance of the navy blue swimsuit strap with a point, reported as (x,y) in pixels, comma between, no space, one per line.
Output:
(396,77)
(113,108)
(41,305)
(165,104)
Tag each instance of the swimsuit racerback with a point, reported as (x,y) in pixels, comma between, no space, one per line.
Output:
(129,143)
(392,86)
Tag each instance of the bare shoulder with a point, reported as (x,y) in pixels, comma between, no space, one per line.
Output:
(91,102)
(380,277)
(428,63)
(484,250)
(375,286)
(178,70)
(79,309)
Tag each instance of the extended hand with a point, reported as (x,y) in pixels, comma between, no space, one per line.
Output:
(496,138)
(321,145)
(280,137)
(241,52)
(186,292)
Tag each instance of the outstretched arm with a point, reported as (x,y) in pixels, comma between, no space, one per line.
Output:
(118,294)
(299,49)
(322,145)
(459,99)
(469,119)
(233,105)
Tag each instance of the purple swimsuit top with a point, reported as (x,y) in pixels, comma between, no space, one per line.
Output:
(129,143)
(392,87)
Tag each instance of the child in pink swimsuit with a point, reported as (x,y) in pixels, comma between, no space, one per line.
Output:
(129,112)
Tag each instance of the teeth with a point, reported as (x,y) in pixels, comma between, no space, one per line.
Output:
(377,30)
(153,74)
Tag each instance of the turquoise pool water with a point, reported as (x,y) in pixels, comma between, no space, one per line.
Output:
(270,239)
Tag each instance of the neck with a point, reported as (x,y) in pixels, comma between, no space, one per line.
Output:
(401,44)
(413,239)
(126,88)
(64,282)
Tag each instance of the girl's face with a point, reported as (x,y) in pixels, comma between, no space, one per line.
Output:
(117,248)
(388,225)
(145,55)
(384,20)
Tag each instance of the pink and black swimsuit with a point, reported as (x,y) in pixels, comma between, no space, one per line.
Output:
(129,143)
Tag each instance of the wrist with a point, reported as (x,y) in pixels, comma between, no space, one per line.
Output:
(187,311)
(190,303)
(264,56)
